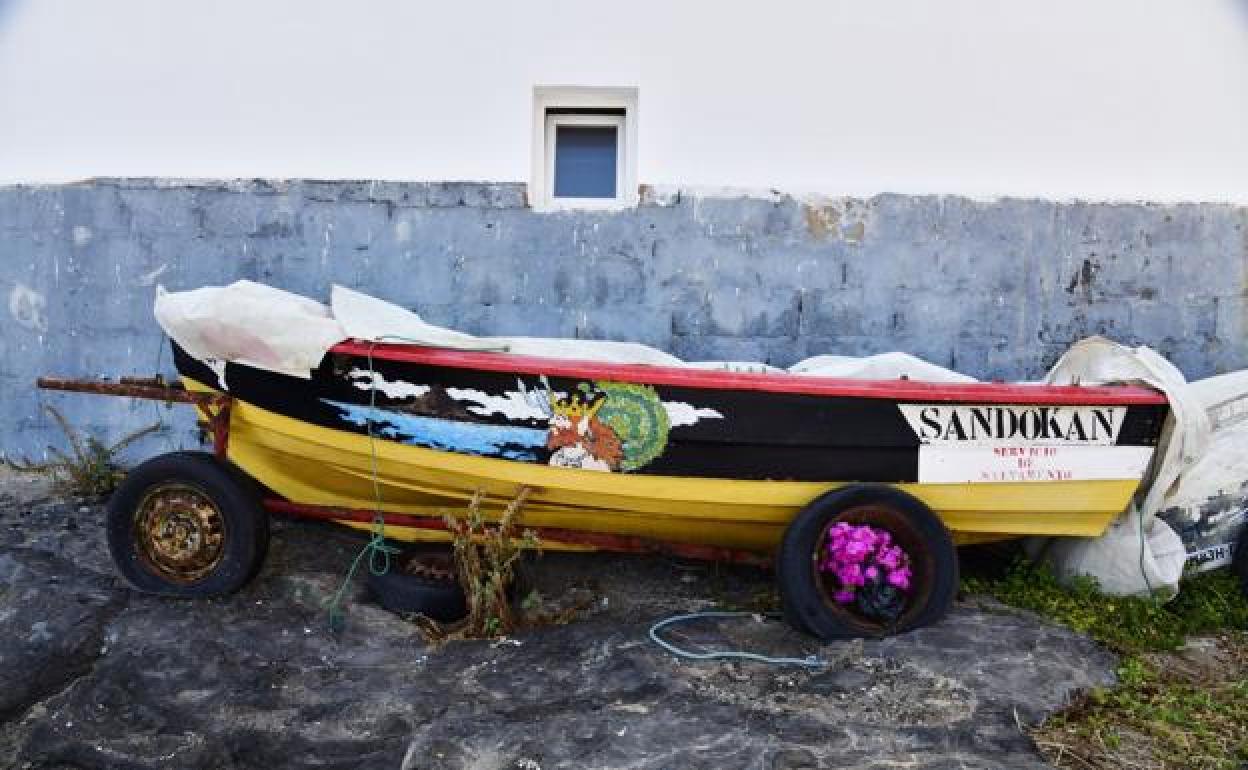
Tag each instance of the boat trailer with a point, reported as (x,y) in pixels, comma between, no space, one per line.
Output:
(216,427)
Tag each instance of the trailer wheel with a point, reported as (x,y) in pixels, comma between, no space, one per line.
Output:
(808,592)
(1241,559)
(184,524)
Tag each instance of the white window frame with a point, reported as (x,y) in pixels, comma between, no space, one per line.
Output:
(545,125)
(553,122)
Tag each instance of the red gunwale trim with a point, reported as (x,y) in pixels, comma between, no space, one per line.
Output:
(906,390)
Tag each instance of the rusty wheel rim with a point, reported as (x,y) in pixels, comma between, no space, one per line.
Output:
(922,566)
(180,533)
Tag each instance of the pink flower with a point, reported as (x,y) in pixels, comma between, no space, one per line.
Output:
(851,575)
(889,557)
(857,550)
(858,553)
(900,578)
(864,535)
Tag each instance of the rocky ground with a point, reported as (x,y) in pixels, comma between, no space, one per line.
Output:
(95,675)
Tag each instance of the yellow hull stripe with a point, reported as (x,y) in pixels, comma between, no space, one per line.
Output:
(310,464)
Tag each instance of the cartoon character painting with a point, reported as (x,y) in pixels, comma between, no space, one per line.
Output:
(606,426)
(577,437)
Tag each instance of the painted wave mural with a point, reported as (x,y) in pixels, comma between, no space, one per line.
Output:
(507,441)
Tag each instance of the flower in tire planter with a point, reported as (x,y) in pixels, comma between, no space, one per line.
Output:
(807,592)
(869,569)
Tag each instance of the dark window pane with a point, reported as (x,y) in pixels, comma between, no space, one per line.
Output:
(585,161)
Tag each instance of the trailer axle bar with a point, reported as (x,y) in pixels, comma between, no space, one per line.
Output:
(600,540)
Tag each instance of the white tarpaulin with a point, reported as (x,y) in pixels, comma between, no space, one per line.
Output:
(1140,554)
(368,318)
(249,323)
(283,332)
(272,329)
(885,366)
(268,328)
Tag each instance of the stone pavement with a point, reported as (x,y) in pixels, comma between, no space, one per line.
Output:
(94,675)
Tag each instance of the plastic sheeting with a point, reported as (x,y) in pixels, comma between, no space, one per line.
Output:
(369,318)
(250,323)
(885,366)
(283,332)
(1139,554)
(1096,360)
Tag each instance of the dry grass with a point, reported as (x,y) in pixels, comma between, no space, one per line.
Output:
(487,562)
(90,469)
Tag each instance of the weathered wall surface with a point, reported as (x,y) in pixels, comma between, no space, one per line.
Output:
(994,289)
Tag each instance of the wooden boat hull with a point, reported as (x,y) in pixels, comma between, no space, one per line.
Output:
(739,455)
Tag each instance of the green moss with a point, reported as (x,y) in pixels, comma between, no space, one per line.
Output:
(1208,603)
(1156,716)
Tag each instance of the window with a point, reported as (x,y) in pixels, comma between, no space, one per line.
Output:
(584,148)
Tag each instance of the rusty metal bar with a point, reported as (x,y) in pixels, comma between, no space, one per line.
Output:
(215,405)
(155,381)
(600,540)
(129,390)
(219,421)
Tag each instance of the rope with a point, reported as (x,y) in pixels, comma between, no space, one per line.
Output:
(375,546)
(1143,543)
(810,661)
(377,550)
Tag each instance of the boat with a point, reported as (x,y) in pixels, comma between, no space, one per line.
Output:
(676,454)
(856,491)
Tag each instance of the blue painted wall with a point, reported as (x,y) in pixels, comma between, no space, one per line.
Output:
(994,289)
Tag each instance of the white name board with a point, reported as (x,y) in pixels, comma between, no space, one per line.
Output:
(985,464)
(985,443)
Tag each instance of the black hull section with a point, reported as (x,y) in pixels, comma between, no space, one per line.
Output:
(662,430)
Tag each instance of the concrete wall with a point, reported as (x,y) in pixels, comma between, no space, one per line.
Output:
(996,290)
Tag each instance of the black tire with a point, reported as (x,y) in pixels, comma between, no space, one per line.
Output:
(523,577)
(408,590)
(788,612)
(1240,565)
(804,597)
(195,491)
